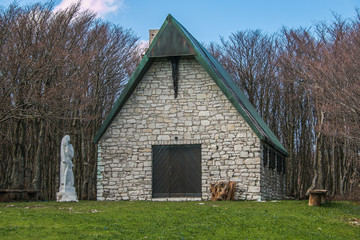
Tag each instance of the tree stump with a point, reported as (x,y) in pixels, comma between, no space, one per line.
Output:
(317,197)
(221,191)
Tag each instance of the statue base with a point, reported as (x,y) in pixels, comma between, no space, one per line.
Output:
(66,194)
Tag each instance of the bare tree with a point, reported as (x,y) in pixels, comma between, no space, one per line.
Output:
(60,74)
(305,84)
(326,66)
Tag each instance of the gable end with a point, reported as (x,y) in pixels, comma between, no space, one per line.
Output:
(174,40)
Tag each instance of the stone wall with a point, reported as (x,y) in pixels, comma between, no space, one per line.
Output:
(201,114)
(273,182)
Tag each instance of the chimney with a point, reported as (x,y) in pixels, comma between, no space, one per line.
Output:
(152,34)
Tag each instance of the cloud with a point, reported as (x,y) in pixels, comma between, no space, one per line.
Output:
(100,7)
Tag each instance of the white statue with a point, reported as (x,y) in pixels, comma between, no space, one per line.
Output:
(67,191)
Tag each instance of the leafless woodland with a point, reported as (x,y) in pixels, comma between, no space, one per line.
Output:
(305,83)
(60,73)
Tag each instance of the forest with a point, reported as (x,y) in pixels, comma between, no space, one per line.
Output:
(60,73)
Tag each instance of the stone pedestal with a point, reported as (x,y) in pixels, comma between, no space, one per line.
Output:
(66,194)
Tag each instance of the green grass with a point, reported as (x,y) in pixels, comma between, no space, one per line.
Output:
(178,220)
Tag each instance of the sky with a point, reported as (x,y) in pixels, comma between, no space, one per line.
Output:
(207,20)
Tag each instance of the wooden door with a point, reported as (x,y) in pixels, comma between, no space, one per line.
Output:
(177,171)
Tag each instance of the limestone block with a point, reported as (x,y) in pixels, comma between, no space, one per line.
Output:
(143,138)
(216,173)
(204,114)
(187,135)
(188,123)
(231,127)
(244,154)
(201,96)
(163,138)
(241,135)
(224,167)
(229,162)
(238,147)
(252,161)
(205,122)
(223,175)
(253,189)
(231,136)
(219,117)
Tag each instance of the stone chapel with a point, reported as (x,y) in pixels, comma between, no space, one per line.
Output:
(182,123)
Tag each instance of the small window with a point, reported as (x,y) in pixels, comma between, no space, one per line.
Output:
(279,163)
(265,156)
(284,165)
(272,159)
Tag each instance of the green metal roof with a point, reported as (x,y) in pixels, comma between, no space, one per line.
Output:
(174,40)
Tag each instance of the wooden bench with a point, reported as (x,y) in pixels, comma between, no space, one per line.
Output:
(15,194)
(316,197)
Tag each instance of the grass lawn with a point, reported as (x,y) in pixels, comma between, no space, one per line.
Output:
(179,220)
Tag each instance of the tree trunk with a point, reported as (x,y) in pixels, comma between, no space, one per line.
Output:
(343,168)
(18,156)
(222,191)
(37,165)
(317,180)
(85,167)
(320,164)
(333,166)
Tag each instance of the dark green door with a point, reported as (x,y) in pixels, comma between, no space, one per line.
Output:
(176,171)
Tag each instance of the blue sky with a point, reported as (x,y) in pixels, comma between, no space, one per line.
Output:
(207,20)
